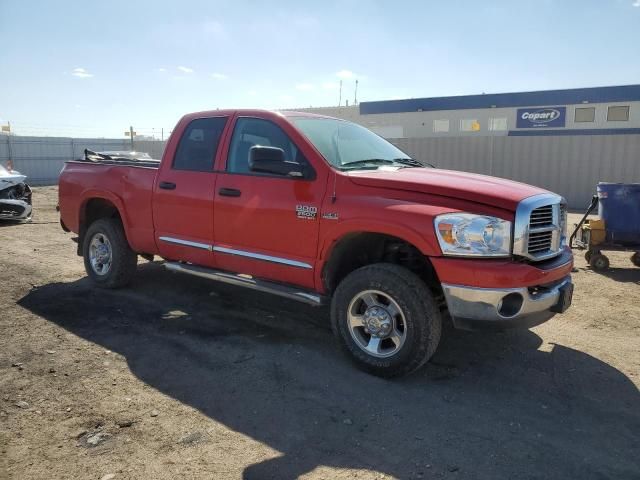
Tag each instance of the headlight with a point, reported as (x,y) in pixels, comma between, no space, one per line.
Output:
(466,234)
(563,224)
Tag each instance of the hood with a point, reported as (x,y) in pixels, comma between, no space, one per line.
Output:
(473,187)
(10,178)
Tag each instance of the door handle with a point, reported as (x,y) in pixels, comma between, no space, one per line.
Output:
(229,192)
(167,185)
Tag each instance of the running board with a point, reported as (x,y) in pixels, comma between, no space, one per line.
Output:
(286,291)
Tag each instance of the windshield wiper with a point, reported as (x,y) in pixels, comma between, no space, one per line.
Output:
(372,162)
(369,160)
(409,161)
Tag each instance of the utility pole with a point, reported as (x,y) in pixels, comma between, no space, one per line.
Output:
(162,134)
(355,95)
(9,149)
(340,95)
(131,135)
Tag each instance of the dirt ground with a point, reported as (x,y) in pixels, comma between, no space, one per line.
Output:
(178,377)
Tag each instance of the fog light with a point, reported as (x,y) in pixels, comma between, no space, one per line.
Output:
(510,304)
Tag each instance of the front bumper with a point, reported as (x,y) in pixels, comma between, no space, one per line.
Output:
(15,209)
(498,308)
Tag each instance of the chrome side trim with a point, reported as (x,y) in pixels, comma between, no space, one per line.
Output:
(521,228)
(260,256)
(186,243)
(233,251)
(305,296)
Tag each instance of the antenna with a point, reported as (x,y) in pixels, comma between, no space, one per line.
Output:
(335,180)
(340,95)
(355,95)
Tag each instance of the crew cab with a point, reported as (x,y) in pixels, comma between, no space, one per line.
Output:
(324,211)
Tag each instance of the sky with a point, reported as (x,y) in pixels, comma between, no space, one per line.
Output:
(89,68)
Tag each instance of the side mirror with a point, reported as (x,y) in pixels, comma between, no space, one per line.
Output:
(272,160)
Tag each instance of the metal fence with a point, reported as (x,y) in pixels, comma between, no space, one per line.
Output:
(568,165)
(42,158)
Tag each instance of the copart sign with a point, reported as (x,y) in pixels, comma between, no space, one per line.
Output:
(541,117)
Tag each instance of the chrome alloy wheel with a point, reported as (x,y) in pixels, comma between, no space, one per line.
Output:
(376,323)
(100,254)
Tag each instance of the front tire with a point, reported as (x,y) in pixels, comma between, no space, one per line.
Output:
(108,258)
(386,320)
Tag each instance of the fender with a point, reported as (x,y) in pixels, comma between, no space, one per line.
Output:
(331,237)
(427,246)
(90,194)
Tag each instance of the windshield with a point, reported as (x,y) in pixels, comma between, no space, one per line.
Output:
(347,145)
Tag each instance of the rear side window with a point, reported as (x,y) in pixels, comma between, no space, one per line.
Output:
(199,144)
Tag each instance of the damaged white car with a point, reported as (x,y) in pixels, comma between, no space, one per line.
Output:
(15,195)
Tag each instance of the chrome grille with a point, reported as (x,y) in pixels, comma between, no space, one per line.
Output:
(539,242)
(539,228)
(541,217)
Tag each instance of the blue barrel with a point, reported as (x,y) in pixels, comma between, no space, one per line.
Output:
(619,207)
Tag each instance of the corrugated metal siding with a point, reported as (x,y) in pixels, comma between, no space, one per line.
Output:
(42,158)
(570,166)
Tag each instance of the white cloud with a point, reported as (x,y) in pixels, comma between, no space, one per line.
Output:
(219,76)
(81,73)
(305,87)
(161,70)
(286,98)
(330,85)
(636,3)
(345,74)
(185,69)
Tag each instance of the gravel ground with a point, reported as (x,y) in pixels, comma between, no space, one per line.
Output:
(177,377)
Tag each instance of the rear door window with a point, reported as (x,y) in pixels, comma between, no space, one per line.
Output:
(199,144)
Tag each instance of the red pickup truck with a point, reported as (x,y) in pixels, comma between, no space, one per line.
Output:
(322,210)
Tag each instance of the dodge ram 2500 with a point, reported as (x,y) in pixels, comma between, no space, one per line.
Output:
(322,210)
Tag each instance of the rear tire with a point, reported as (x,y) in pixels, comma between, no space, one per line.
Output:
(587,255)
(635,259)
(386,320)
(599,262)
(108,258)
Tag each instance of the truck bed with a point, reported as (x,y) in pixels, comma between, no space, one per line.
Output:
(125,162)
(126,183)
(130,159)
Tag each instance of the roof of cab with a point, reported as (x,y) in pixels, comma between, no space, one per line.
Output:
(254,111)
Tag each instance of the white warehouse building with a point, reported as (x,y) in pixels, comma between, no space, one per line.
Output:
(563,140)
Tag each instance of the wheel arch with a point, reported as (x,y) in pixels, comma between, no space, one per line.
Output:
(356,249)
(97,205)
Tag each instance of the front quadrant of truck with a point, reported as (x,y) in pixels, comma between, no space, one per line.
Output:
(322,210)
